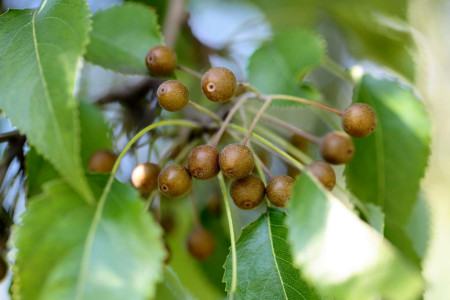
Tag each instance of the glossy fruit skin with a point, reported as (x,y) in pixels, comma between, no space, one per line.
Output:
(359,120)
(248,192)
(324,173)
(161,61)
(219,84)
(337,148)
(102,161)
(145,177)
(174,181)
(279,189)
(203,162)
(200,243)
(172,95)
(236,161)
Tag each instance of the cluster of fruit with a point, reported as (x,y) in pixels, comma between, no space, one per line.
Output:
(236,161)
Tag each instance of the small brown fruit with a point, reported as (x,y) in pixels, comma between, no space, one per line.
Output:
(247,192)
(279,189)
(174,181)
(203,162)
(200,243)
(337,148)
(102,161)
(236,161)
(219,84)
(172,95)
(145,177)
(324,173)
(161,61)
(359,120)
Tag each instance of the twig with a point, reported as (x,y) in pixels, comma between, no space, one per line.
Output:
(290,127)
(240,100)
(305,101)
(190,71)
(255,120)
(174,18)
(5,137)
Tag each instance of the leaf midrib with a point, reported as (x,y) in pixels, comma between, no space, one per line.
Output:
(273,253)
(44,82)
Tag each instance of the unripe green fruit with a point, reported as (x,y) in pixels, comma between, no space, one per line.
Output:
(359,120)
(174,181)
(203,162)
(161,61)
(102,161)
(337,148)
(324,173)
(279,189)
(219,84)
(145,177)
(200,243)
(172,95)
(247,192)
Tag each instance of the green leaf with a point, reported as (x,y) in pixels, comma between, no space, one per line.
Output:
(376,217)
(122,36)
(39,51)
(95,131)
(341,255)
(265,269)
(278,66)
(389,164)
(95,135)
(171,288)
(68,249)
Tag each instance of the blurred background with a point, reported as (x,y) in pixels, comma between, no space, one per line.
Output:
(406,39)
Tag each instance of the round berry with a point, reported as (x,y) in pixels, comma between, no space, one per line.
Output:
(172,95)
(102,161)
(145,177)
(359,120)
(324,173)
(203,162)
(219,84)
(174,181)
(200,243)
(337,148)
(161,61)
(236,161)
(247,192)
(279,189)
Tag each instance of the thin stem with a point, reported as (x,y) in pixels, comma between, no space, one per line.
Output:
(337,70)
(233,241)
(269,144)
(205,111)
(195,209)
(190,71)
(151,198)
(263,166)
(185,151)
(256,119)
(286,145)
(185,123)
(293,129)
(240,100)
(250,88)
(305,101)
